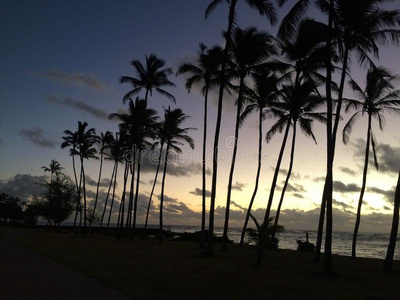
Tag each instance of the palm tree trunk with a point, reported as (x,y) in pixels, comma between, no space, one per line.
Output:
(161,238)
(108,193)
(260,138)
(364,182)
(210,248)
(317,253)
(393,234)
(122,204)
(327,268)
(276,173)
(77,190)
(113,195)
(278,211)
(97,190)
(84,198)
(131,192)
(136,195)
(204,165)
(152,189)
(232,170)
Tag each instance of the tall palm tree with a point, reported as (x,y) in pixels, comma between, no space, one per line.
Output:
(174,137)
(304,57)
(151,76)
(87,138)
(379,96)
(265,8)
(206,71)
(116,153)
(297,107)
(395,227)
(104,140)
(71,140)
(249,48)
(258,99)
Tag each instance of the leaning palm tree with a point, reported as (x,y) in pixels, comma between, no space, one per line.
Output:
(265,8)
(259,98)
(71,140)
(104,140)
(87,138)
(116,152)
(249,49)
(379,96)
(388,264)
(174,137)
(206,71)
(298,106)
(151,76)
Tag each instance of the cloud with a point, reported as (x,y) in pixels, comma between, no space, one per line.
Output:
(78,79)
(298,195)
(348,171)
(341,204)
(388,156)
(199,192)
(168,199)
(38,137)
(341,187)
(176,167)
(23,186)
(295,188)
(105,182)
(319,179)
(387,194)
(284,172)
(238,186)
(77,104)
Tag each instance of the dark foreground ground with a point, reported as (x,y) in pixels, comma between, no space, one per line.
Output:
(144,269)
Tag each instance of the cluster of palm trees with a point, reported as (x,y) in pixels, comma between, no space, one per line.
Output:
(140,128)
(287,78)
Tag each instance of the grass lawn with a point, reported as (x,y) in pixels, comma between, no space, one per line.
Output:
(146,269)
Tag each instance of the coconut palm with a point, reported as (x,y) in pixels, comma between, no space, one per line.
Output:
(54,168)
(151,76)
(174,137)
(87,138)
(71,140)
(297,107)
(249,48)
(388,264)
(304,57)
(258,99)
(116,153)
(265,8)
(205,71)
(104,140)
(379,96)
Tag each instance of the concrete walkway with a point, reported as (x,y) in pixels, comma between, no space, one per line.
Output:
(25,274)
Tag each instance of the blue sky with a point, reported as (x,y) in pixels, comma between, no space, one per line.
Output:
(75,52)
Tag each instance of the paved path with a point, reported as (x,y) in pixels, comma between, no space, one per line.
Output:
(25,274)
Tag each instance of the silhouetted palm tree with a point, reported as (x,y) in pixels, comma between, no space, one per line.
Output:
(71,140)
(379,96)
(258,99)
(206,71)
(117,153)
(152,75)
(265,8)
(249,48)
(87,138)
(297,107)
(174,136)
(104,140)
(54,168)
(395,227)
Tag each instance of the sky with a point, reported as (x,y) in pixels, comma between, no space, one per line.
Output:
(62,61)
